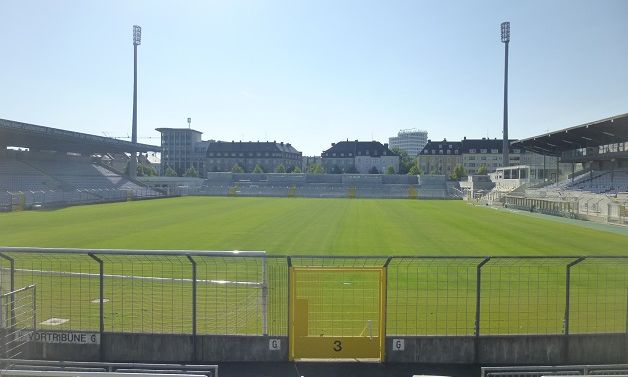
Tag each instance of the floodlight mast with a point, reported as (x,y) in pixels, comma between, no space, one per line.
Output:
(137,40)
(505,28)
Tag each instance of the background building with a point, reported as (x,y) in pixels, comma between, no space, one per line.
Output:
(222,156)
(443,156)
(485,152)
(411,141)
(182,148)
(440,157)
(359,157)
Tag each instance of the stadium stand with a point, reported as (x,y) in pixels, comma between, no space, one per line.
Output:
(60,180)
(599,190)
(83,174)
(43,166)
(18,176)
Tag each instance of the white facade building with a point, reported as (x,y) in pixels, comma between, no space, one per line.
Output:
(411,140)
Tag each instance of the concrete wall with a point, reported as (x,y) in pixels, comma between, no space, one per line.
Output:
(323,178)
(164,348)
(433,180)
(358,179)
(226,177)
(512,350)
(400,179)
(71,352)
(250,177)
(286,178)
(432,349)
(485,350)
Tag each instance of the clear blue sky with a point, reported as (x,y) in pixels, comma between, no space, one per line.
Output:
(313,72)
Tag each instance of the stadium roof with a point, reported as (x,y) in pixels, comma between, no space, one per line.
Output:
(605,131)
(18,134)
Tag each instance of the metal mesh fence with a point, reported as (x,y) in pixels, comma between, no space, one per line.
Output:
(18,319)
(147,293)
(431,296)
(523,296)
(67,286)
(186,292)
(599,296)
(231,295)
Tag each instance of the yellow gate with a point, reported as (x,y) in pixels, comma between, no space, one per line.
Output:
(337,313)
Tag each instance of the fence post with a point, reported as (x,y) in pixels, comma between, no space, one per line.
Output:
(384,304)
(194,346)
(11,285)
(264,298)
(34,307)
(289,287)
(478,291)
(567,293)
(101,304)
(565,353)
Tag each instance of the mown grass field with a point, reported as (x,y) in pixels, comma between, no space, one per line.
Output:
(425,297)
(292,226)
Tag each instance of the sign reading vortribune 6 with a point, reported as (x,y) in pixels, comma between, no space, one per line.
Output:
(66,337)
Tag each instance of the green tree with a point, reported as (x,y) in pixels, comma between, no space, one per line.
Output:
(482,170)
(296,170)
(373,170)
(237,169)
(170,172)
(414,170)
(258,169)
(390,170)
(191,172)
(142,170)
(352,170)
(149,171)
(280,169)
(315,169)
(458,173)
(405,161)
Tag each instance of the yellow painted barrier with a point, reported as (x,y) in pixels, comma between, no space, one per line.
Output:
(337,313)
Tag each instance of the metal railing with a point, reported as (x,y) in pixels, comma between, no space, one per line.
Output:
(556,370)
(246,293)
(100,367)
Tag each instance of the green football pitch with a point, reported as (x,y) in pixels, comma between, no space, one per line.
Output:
(425,297)
(292,226)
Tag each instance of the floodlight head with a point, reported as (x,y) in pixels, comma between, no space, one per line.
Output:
(505,32)
(137,35)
